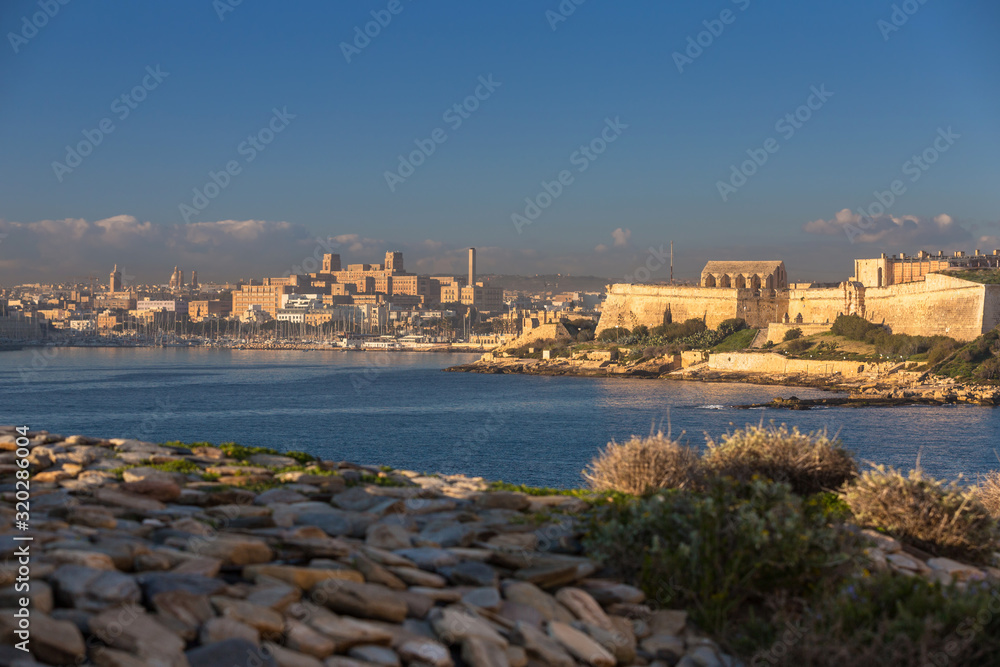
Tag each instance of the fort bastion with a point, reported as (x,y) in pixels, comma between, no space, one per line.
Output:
(910,294)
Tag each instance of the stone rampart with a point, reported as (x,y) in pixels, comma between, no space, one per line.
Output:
(765,362)
(938,305)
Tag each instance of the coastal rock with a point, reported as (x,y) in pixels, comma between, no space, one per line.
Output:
(285,657)
(478,652)
(263,619)
(428,558)
(454,625)
(471,573)
(362,600)
(956,570)
(230,651)
(136,632)
(540,646)
(580,645)
(375,655)
(532,596)
(303,578)
(222,628)
(92,590)
(55,642)
(425,651)
(234,549)
(384,536)
(584,607)
(303,638)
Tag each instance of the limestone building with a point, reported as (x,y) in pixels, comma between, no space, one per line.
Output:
(911,295)
(749,275)
(115,280)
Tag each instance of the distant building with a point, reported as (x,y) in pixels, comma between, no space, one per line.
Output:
(115,280)
(176,279)
(178,306)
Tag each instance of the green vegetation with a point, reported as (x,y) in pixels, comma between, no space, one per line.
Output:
(799,345)
(177,444)
(737,341)
(718,551)
(792,334)
(743,541)
(377,480)
(312,470)
(893,346)
(539,490)
(179,466)
(984,276)
(979,359)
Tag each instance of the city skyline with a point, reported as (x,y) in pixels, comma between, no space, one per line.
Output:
(606,132)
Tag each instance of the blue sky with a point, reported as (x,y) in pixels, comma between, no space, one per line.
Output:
(896,88)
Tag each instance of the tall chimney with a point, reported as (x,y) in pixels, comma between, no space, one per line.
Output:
(472,267)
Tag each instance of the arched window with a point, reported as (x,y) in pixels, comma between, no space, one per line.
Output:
(724,281)
(770,282)
(754,282)
(709,280)
(739,281)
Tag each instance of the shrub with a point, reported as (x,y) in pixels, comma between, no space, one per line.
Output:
(799,345)
(792,334)
(942,349)
(731,326)
(854,327)
(989,369)
(677,330)
(943,519)
(717,551)
(891,619)
(614,333)
(641,465)
(988,492)
(810,463)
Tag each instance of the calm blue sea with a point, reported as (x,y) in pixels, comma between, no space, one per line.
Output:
(401,410)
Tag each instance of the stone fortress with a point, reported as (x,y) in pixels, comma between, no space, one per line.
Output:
(909,294)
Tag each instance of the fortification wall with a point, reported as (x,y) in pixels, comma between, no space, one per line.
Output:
(750,362)
(991,307)
(631,305)
(937,306)
(821,305)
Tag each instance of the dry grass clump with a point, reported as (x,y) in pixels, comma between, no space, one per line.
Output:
(642,465)
(988,492)
(945,519)
(809,462)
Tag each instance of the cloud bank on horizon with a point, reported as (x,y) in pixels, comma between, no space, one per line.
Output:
(222,250)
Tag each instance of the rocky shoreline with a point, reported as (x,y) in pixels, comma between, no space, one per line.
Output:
(148,554)
(274,563)
(901,389)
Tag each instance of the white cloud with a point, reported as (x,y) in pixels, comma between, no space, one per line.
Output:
(621,237)
(903,230)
